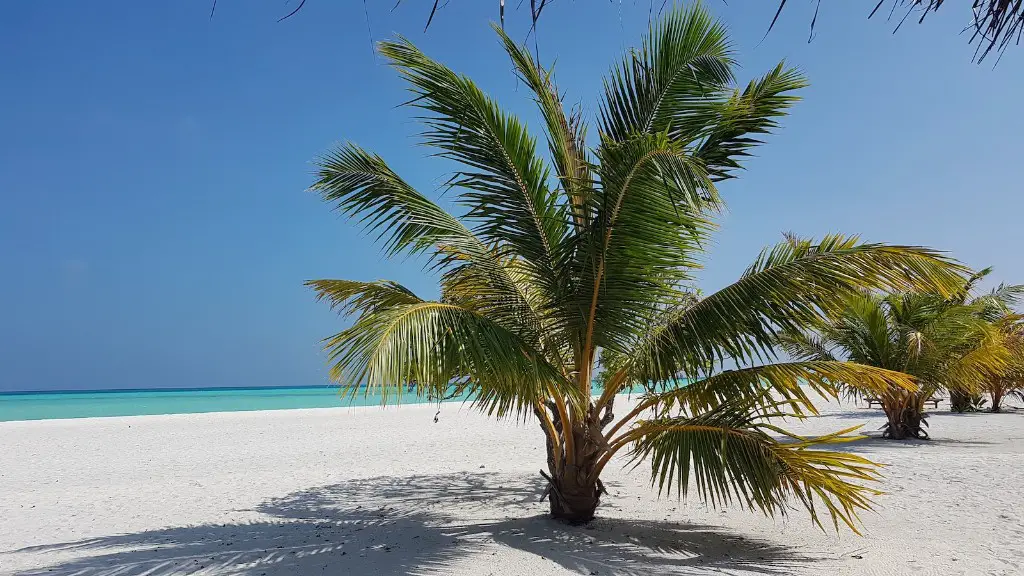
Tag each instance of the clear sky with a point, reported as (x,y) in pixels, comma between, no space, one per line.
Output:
(155,230)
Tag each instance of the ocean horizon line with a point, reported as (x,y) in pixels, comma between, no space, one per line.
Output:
(162,389)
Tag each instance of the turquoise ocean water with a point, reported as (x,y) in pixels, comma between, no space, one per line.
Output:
(47,405)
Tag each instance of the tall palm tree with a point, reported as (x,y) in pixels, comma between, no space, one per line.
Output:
(591,250)
(945,342)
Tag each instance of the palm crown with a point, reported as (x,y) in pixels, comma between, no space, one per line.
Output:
(590,249)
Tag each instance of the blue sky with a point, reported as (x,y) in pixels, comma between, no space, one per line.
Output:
(155,230)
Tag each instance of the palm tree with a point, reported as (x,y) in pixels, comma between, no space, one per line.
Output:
(945,342)
(591,251)
(1011,381)
(998,308)
(995,307)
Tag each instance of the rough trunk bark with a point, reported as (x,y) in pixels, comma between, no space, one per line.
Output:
(573,499)
(906,418)
(574,491)
(997,400)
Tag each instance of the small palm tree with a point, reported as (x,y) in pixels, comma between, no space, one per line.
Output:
(945,342)
(589,253)
(995,307)
(999,310)
(1010,382)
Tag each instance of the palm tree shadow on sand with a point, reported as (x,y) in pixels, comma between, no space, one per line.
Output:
(414,525)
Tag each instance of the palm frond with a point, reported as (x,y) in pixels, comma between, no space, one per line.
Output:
(789,288)
(1000,300)
(806,346)
(729,455)
(434,347)
(505,182)
(654,215)
(566,134)
(363,186)
(351,297)
(785,381)
(745,116)
(980,355)
(672,82)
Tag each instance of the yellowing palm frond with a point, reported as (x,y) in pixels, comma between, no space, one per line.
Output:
(730,455)
(785,381)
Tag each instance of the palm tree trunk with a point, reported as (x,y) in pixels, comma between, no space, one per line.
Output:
(573,498)
(959,401)
(997,397)
(574,491)
(905,417)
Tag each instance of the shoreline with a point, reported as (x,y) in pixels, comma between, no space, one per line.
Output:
(230,413)
(75,404)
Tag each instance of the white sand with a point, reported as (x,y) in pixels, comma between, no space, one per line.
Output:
(366,491)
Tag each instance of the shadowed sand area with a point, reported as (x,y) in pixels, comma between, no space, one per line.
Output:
(418,525)
(370,491)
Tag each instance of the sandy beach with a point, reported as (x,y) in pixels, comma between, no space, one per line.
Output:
(372,491)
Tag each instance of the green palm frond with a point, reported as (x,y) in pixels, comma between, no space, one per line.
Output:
(1000,301)
(679,81)
(361,185)
(433,347)
(351,297)
(654,216)
(788,289)
(566,134)
(674,81)
(730,455)
(1009,295)
(504,183)
(980,354)
(863,331)
(892,267)
(745,116)
(806,346)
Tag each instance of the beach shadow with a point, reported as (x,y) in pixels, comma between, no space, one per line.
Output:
(984,413)
(873,442)
(857,414)
(415,525)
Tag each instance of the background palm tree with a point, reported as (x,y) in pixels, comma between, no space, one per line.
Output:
(947,343)
(999,309)
(995,307)
(1011,380)
(591,251)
